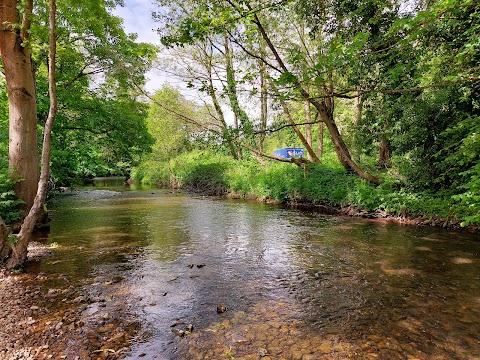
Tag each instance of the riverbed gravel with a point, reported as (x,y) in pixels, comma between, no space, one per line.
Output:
(44,317)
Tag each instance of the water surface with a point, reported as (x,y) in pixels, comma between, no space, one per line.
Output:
(296,284)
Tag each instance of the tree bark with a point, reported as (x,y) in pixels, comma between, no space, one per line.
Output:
(17,63)
(211,90)
(239,115)
(384,156)
(18,254)
(340,147)
(358,109)
(4,246)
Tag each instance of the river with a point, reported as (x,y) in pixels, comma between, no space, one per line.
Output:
(257,281)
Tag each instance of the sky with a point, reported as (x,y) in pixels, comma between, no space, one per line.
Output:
(137,16)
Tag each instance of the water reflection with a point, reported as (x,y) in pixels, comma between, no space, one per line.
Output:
(297,285)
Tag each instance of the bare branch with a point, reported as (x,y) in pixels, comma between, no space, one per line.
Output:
(269,131)
(248,52)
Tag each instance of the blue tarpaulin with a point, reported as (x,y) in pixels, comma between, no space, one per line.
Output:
(288,153)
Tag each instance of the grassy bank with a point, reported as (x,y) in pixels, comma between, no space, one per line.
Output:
(318,185)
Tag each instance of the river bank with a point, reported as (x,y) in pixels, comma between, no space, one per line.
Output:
(327,189)
(378,215)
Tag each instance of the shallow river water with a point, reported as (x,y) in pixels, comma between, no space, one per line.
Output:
(287,283)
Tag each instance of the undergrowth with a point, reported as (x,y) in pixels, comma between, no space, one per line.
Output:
(9,210)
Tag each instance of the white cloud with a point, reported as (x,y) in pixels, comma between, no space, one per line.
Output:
(137,16)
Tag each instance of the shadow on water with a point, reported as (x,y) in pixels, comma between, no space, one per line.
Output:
(296,285)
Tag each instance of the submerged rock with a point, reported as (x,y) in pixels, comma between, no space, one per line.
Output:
(178,332)
(221,309)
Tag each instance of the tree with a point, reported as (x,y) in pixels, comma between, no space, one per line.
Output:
(15,50)
(3,124)
(172,134)
(90,45)
(101,128)
(13,253)
(291,72)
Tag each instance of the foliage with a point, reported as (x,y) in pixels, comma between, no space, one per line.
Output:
(98,137)
(172,120)
(413,70)
(9,210)
(100,127)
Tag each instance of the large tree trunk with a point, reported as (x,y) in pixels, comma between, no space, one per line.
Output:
(4,246)
(18,254)
(340,147)
(17,63)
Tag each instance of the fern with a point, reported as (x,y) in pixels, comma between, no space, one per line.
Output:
(9,210)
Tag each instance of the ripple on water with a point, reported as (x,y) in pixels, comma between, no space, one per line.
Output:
(297,285)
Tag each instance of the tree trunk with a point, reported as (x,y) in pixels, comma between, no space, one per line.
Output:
(18,255)
(263,108)
(384,156)
(211,90)
(320,140)
(341,148)
(17,63)
(358,104)
(308,127)
(4,246)
(325,107)
(240,117)
(263,96)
